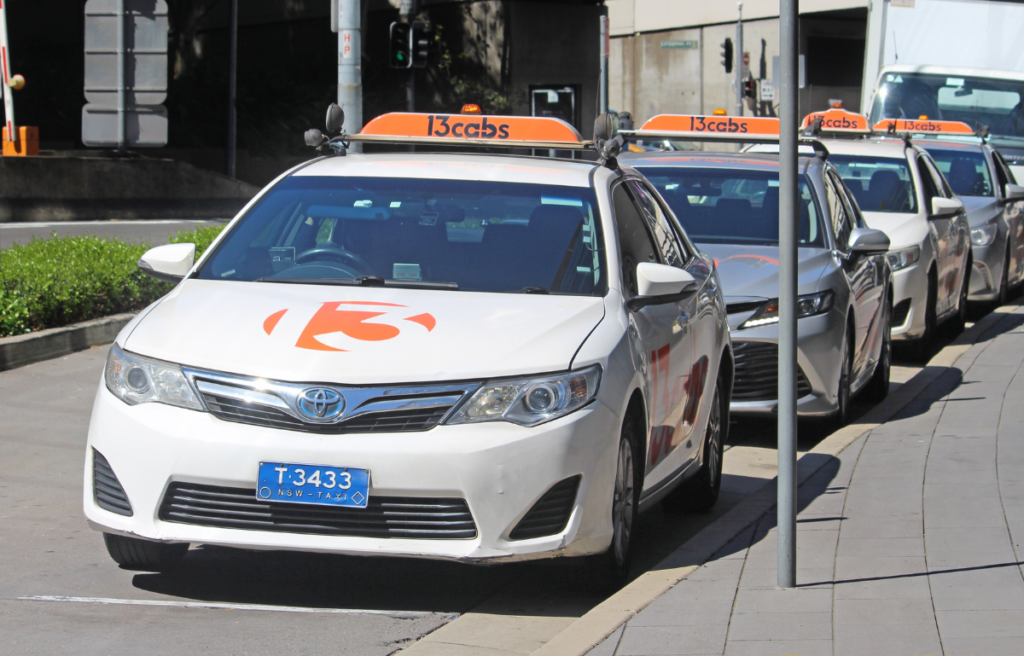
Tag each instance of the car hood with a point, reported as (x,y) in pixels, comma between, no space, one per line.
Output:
(980,209)
(363,335)
(903,230)
(753,271)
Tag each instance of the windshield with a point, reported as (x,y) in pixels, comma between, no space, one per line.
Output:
(718,206)
(476,235)
(965,170)
(880,184)
(976,101)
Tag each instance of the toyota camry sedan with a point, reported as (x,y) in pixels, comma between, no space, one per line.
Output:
(729,206)
(481,358)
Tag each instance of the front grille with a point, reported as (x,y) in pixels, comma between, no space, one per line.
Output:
(900,313)
(757,373)
(399,420)
(384,517)
(551,512)
(106,489)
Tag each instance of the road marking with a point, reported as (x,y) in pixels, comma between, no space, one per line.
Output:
(115,222)
(397,614)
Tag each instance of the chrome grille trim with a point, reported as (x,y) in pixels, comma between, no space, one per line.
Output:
(757,373)
(274,404)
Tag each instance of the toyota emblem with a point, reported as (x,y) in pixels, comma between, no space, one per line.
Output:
(321,404)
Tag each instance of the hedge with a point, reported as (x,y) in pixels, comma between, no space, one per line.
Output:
(53,282)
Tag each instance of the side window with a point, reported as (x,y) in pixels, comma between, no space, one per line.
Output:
(635,243)
(849,202)
(841,221)
(937,178)
(1003,171)
(672,250)
(928,187)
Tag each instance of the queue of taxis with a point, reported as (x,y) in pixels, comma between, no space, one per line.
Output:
(462,356)
(728,204)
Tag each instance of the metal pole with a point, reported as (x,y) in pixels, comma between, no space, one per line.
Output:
(5,54)
(121,114)
(788,216)
(350,70)
(602,93)
(739,61)
(229,165)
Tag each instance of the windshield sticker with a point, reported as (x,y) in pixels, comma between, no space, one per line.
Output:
(569,202)
(330,319)
(402,271)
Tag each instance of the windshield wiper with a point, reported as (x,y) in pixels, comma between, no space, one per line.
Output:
(365,281)
(534,290)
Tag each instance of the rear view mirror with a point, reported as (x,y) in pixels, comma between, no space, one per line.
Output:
(868,242)
(1014,192)
(660,283)
(335,119)
(169,263)
(945,207)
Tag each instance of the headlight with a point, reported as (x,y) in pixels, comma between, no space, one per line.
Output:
(138,380)
(530,401)
(985,234)
(807,305)
(904,258)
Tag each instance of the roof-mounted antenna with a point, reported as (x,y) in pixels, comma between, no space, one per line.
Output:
(814,129)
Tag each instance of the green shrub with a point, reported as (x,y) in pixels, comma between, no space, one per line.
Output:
(53,282)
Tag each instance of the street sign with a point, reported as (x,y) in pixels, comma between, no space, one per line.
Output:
(145,43)
(143,126)
(685,45)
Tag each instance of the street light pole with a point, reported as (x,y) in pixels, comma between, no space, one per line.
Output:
(232,142)
(350,70)
(121,113)
(788,217)
(739,61)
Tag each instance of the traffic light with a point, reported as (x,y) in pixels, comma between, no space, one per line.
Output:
(727,54)
(422,44)
(400,45)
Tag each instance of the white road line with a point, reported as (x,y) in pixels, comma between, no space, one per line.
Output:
(397,614)
(114,222)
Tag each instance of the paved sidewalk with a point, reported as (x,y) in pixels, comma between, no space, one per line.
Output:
(909,542)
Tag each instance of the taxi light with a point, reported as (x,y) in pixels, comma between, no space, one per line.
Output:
(838,119)
(719,112)
(922,117)
(471,108)
(406,127)
(708,128)
(923,126)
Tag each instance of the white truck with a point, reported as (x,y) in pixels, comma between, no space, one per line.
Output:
(958,60)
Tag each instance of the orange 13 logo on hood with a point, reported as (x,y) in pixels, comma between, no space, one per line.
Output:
(333,318)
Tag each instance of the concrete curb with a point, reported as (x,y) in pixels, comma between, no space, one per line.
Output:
(21,350)
(595,626)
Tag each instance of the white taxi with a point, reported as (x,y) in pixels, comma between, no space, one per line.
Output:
(475,357)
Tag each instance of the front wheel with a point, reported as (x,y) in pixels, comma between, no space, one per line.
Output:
(699,493)
(143,555)
(610,570)
(842,413)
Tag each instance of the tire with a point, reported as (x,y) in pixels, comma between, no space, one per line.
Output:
(609,571)
(143,555)
(920,349)
(878,387)
(1004,280)
(842,413)
(699,493)
(958,322)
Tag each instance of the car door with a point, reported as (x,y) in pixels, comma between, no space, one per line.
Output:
(664,331)
(942,232)
(701,321)
(1012,215)
(860,271)
(959,238)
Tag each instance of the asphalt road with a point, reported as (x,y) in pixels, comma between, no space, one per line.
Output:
(318,603)
(155,232)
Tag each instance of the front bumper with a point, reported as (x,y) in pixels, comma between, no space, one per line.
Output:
(818,347)
(987,273)
(499,468)
(910,284)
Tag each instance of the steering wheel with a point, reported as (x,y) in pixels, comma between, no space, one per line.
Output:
(336,253)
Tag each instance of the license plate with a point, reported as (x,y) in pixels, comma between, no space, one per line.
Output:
(313,484)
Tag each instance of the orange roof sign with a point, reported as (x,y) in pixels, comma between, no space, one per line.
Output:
(838,120)
(698,127)
(926,127)
(438,128)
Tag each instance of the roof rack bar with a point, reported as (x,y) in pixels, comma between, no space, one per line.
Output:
(738,137)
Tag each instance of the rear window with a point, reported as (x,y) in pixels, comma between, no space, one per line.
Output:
(717,206)
(880,184)
(965,171)
(476,235)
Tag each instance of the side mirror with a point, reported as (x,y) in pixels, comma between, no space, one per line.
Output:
(868,242)
(945,207)
(660,283)
(1014,192)
(335,119)
(169,263)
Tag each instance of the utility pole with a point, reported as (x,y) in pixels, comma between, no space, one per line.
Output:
(408,11)
(350,69)
(602,94)
(7,91)
(739,61)
(232,142)
(789,213)
(121,113)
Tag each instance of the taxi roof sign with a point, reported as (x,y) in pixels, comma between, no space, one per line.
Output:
(838,120)
(891,125)
(744,129)
(469,129)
